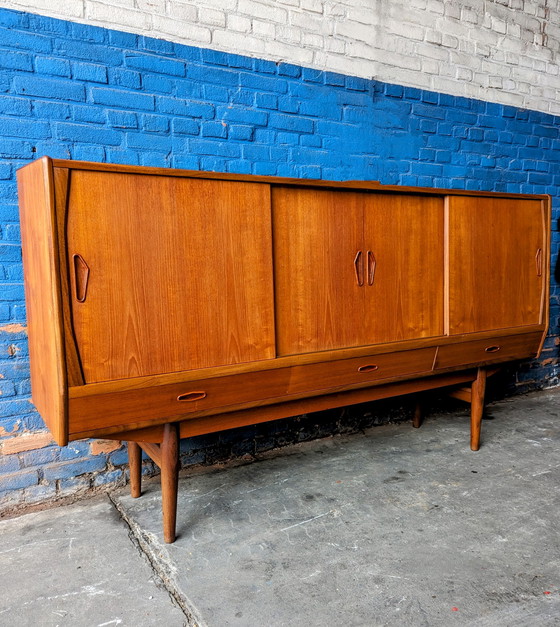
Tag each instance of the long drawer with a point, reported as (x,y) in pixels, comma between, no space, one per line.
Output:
(483,352)
(127,407)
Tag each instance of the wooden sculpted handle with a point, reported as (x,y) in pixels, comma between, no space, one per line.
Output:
(81,277)
(359,268)
(538,261)
(371,264)
(492,349)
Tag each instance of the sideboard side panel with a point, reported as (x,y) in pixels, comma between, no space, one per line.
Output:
(546,211)
(43,297)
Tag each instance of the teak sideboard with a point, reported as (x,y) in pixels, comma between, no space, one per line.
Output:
(169,303)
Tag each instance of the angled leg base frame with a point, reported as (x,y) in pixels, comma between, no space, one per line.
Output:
(473,394)
(166,456)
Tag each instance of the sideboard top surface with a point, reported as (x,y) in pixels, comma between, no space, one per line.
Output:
(276,180)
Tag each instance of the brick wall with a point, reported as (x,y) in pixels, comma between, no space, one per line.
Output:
(74,91)
(498,50)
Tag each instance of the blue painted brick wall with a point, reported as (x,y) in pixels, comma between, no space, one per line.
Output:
(79,92)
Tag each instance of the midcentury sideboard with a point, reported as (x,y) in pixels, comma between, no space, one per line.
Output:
(168,303)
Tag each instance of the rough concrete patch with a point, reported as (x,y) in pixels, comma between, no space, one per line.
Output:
(76,566)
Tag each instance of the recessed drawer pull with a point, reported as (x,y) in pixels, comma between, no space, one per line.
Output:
(492,349)
(81,277)
(192,396)
(368,368)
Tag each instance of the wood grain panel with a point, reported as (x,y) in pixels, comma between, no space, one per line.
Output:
(494,281)
(42,295)
(368,352)
(255,415)
(317,235)
(405,236)
(488,351)
(180,273)
(61,177)
(211,424)
(120,408)
(323,238)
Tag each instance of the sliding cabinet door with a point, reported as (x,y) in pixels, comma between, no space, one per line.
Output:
(356,268)
(319,269)
(168,274)
(405,259)
(497,262)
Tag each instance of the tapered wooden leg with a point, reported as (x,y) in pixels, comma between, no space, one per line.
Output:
(169,479)
(135,464)
(477,407)
(417,418)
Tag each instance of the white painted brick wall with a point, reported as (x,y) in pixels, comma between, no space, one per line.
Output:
(504,51)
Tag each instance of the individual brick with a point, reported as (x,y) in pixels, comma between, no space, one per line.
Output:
(90,72)
(123,99)
(122,119)
(291,123)
(18,480)
(241,132)
(155,63)
(53,66)
(25,442)
(46,87)
(214,129)
(183,126)
(13,60)
(155,123)
(71,469)
(88,134)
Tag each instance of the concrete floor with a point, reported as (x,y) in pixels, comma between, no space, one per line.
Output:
(398,526)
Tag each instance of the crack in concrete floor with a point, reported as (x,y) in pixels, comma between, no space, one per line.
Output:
(161,567)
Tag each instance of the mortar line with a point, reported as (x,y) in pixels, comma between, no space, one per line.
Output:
(143,546)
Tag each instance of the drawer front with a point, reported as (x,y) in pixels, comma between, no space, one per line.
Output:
(481,352)
(204,397)
(335,374)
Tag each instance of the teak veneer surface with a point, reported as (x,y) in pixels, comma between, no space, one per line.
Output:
(120,408)
(483,352)
(139,408)
(354,269)
(405,236)
(496,279)
(180,273)
(138,383)
(43,296)
(317,236)
(256,415)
